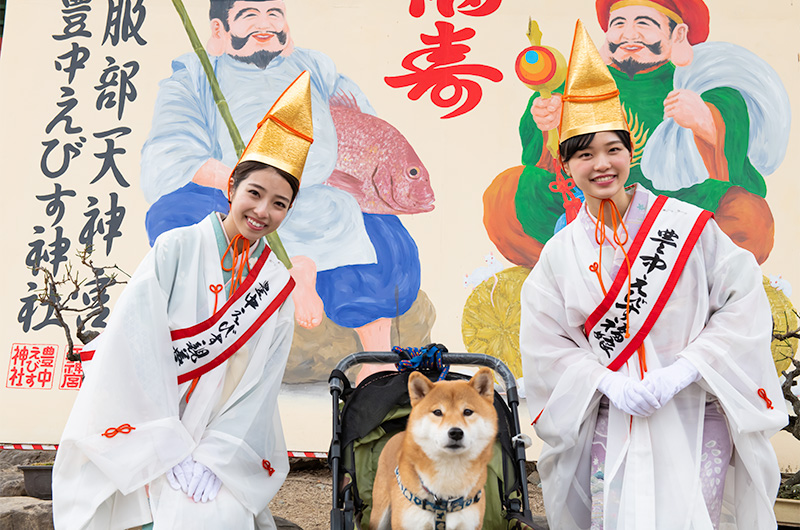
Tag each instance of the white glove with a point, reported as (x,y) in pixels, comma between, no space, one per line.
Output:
(204,485)
(180,475)
(628,395)
(664,383)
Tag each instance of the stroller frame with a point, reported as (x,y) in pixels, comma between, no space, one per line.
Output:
(342,512)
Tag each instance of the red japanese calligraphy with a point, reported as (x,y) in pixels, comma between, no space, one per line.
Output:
(443,73)
(31,366)
(71,372)
(473,8)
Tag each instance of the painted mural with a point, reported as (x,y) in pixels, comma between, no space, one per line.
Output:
(430,188)
(709,121)
(120,154)
(353,260)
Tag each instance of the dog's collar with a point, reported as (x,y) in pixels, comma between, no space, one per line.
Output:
(440,507)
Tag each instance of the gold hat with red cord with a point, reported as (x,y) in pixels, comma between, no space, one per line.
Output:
(591,98)
(693,13)
(284,136)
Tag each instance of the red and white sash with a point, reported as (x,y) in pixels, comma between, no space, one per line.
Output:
(204,346)
(657,256)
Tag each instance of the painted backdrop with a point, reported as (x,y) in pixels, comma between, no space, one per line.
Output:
(110,135)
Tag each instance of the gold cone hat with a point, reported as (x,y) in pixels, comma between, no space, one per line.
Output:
(284,136)
(591,98)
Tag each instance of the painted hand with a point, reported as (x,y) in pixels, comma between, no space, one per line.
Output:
(213,174)
(628,395)
(664,383)
(546,112)
(689,111)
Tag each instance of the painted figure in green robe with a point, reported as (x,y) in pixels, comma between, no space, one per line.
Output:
(709,121)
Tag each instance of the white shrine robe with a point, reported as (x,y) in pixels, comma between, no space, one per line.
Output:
(718,318)
(99,483)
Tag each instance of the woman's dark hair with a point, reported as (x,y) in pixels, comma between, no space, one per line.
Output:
(243,170)
(570,146)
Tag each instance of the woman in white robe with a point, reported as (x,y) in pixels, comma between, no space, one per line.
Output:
(99,482)
(645,339)
(718,319)
(177,420)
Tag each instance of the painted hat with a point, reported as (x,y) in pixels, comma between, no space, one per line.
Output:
(284,136)
(693,13)
(591,98)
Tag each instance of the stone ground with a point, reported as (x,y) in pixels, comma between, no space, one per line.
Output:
(17,510)
(306,496)
(304,501)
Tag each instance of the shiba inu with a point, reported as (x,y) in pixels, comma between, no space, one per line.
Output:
(433,474)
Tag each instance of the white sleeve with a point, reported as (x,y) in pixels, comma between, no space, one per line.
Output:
(132,382)
(246,439)
(732,351)
(561,373)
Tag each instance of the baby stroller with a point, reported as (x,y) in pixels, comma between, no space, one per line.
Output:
(364,418)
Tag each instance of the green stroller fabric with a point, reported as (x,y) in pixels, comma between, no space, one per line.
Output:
(378,409)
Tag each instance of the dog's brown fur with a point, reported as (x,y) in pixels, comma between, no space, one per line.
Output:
(428,453)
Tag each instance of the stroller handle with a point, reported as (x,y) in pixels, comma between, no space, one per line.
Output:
(479,359)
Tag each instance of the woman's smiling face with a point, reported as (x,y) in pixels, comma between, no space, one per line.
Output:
(259,204)
(601,169)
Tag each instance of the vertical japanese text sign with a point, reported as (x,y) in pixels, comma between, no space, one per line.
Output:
(65,139)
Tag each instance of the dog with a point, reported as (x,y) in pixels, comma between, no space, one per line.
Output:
(433,473)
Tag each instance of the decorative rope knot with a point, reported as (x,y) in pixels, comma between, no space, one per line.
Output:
(111,432)
(216,289)
(426,358)
(763,395)
(266,465)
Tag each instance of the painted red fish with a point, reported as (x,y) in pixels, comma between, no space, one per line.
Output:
(376,164)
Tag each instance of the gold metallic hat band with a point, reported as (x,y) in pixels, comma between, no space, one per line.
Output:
(647,3)
(594,128)
(592,98)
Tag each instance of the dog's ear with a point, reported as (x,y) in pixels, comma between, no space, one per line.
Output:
(483,382)
(418,387)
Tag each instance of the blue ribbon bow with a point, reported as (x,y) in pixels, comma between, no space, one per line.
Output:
(426,358)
